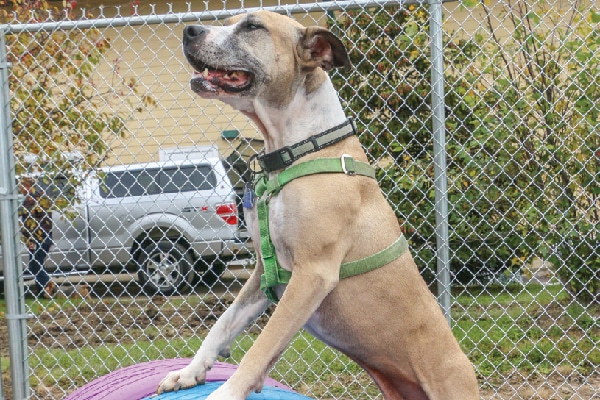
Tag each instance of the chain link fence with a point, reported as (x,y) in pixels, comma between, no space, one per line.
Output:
(138,183)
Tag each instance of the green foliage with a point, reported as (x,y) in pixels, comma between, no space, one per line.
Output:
(544,97)
(388,83)
(521,123)
(397,132)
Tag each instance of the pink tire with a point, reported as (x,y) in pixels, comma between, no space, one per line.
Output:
(140,381)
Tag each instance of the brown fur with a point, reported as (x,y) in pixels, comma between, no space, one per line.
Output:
(386,320)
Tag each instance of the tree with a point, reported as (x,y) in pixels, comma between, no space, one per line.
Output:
(389,92)
(62,112)
(521,116)
(545,92)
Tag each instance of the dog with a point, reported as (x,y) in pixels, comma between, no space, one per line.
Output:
(274,70)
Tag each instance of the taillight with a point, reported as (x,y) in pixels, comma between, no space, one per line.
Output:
(228,213)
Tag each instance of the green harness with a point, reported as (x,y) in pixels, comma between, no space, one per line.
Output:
(265,189)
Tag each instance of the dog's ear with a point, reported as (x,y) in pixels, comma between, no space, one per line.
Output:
(318,47)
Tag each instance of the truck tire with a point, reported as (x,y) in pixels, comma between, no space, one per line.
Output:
(164,268)
(208,271)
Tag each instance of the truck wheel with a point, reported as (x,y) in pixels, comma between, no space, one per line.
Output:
(164,268)
(208,270)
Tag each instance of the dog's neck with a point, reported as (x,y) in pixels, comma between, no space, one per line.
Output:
(309,112)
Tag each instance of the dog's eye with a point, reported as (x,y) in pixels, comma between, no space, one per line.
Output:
(252,26)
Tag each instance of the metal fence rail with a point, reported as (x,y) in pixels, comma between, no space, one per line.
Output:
(482,119)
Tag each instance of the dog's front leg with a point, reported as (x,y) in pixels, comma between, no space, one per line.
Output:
(249,304)
(305,292)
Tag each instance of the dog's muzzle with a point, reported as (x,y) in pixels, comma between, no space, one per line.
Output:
(209,78)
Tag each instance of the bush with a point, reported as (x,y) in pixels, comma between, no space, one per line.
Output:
(520,124)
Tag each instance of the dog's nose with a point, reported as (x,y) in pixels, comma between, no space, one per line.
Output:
(192,32)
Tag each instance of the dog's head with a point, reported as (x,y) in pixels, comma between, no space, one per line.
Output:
(259,55)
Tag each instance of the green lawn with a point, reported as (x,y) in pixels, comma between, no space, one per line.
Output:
(533,329)
(538,329)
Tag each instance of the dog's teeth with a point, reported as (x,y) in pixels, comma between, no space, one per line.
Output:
(205,73)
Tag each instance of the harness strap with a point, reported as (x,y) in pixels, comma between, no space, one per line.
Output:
(374,261)
(280,276)
(345,164)
(275,275)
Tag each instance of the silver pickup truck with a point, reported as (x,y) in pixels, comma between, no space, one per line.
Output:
(173,222)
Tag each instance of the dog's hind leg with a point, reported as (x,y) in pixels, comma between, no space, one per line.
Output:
(456,381)
(396,388)
(249,304)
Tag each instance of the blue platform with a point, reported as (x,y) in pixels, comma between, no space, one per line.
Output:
(203,391)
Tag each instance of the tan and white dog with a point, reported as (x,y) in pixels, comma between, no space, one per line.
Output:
(272,69)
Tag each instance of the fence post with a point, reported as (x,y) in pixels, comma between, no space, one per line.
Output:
(10,237)
(1,390)
(439,158)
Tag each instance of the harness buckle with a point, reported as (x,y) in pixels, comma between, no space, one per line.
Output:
(348,166)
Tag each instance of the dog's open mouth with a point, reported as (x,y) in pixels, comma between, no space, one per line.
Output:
(212,80)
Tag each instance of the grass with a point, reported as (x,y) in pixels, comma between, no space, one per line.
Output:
(536,329)
(307,361)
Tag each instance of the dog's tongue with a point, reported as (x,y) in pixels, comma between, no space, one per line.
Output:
(224,78)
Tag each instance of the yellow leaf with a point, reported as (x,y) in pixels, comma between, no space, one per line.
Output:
(517,261)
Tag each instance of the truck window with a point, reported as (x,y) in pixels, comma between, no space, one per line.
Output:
(130,183)
(187,179)
(155,181)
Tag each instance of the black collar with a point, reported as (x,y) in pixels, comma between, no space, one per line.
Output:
(284,157)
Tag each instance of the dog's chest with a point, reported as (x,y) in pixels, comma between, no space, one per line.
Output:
(277,226)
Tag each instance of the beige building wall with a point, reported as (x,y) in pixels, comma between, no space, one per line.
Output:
(180,119)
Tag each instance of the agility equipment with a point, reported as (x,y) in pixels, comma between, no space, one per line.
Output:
(139,382)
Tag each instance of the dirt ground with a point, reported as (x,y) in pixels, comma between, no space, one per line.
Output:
(95,322)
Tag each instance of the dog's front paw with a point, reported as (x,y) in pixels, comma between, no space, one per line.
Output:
(226,392)
(183,379)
